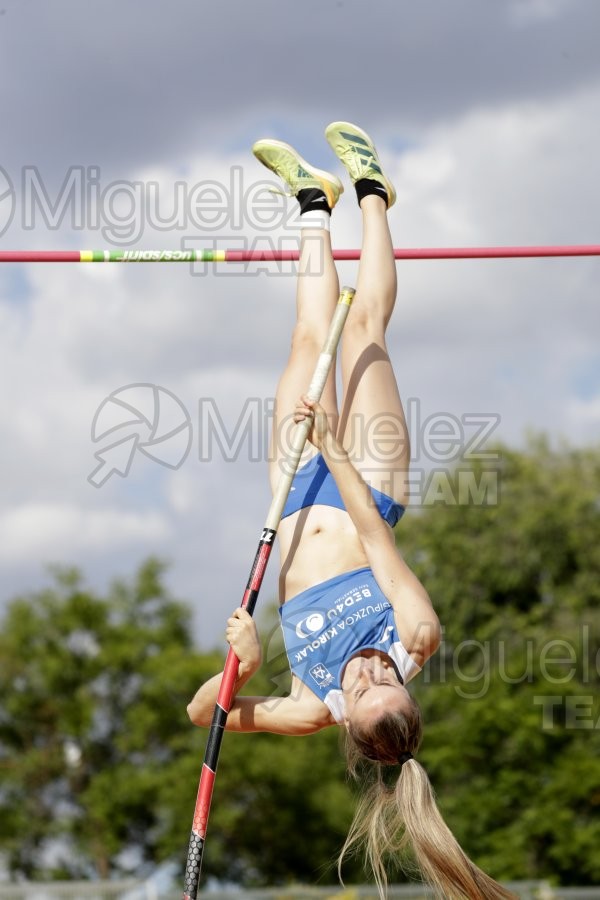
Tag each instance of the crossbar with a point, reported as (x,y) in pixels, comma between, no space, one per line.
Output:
(221,256)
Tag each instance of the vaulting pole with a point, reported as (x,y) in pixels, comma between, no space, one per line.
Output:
(265,545)
(220,256)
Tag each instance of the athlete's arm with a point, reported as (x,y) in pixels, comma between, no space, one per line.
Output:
(416,619)
(299,713)
(243,639)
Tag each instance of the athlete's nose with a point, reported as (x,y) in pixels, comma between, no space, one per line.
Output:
(367,675)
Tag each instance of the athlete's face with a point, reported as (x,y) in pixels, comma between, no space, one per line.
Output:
(370,685)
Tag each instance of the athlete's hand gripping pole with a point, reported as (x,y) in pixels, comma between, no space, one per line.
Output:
(225,696)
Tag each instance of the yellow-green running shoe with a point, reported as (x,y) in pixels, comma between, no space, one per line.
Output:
(358,154)
(286,162)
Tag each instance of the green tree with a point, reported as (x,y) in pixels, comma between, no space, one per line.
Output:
(99,762)
(512,734)
(92,722)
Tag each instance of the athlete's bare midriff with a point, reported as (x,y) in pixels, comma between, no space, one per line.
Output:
(317,543)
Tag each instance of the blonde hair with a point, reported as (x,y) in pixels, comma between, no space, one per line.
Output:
(391,819)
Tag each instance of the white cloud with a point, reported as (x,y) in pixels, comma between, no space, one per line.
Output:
(467,337)
(58,531)
(528,12)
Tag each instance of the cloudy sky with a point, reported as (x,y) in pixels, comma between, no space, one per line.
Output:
(486,114)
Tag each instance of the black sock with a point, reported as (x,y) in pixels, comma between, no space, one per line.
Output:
(311,199)
(366,186)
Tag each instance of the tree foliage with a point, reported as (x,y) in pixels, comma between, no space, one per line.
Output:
(99,764)
(512,733)
(92,722)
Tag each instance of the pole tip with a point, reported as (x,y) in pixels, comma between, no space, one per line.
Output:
(347,295)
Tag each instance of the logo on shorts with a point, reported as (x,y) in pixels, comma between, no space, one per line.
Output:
(321,675)
(310,625)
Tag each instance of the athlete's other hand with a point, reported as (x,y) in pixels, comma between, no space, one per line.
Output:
(243,639)
(311,409)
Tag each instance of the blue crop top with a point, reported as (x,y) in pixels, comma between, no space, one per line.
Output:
(314,485)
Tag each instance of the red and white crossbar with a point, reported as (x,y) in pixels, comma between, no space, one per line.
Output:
(257,255)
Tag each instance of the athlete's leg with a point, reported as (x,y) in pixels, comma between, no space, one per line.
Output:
(316,297)
(317,289)
(372,424)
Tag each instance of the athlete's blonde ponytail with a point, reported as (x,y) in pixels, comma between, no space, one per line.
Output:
(391,819)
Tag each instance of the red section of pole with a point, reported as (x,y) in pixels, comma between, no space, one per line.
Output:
(203,801)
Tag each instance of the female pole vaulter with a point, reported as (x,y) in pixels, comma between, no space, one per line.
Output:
(358,624)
